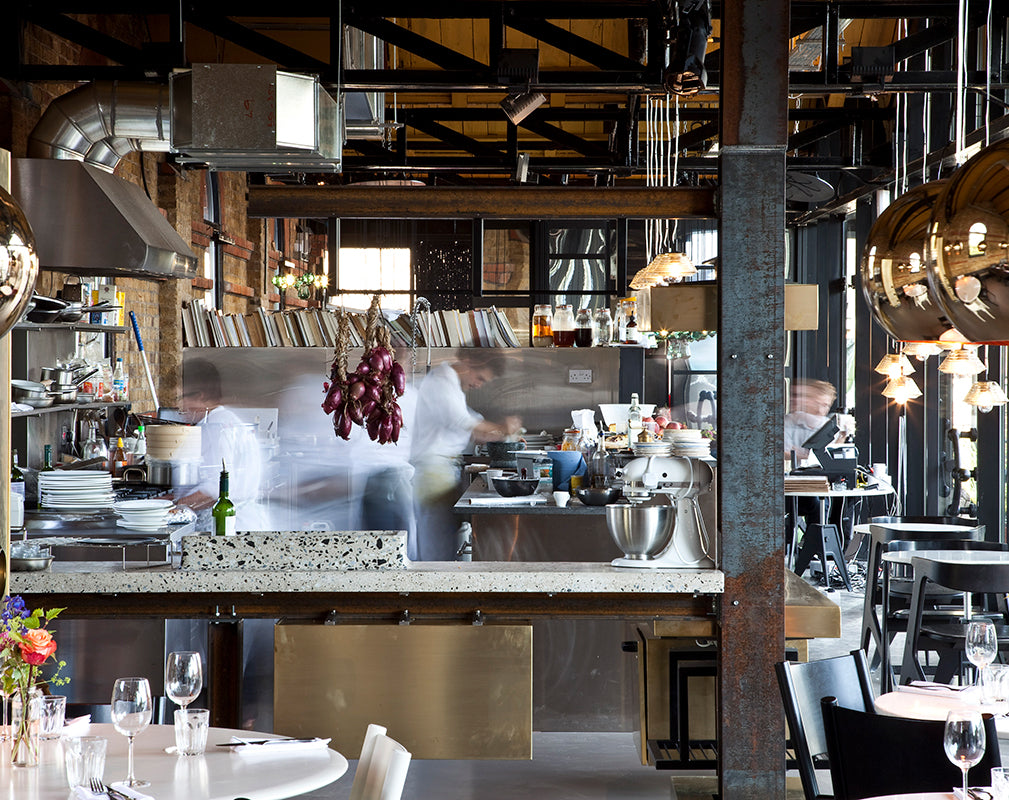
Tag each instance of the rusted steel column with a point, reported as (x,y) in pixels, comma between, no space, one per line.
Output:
(751,349)
(462,202)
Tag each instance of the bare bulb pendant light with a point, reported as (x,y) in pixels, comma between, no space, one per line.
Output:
(985,395)
(893,365)
(902,389)
(962,361)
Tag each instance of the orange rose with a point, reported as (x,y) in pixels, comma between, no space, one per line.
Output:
(37,646)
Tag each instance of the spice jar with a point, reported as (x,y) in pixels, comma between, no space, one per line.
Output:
(542,326)
(564,327)
(584,329)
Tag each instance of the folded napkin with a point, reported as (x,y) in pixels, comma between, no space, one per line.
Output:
(974,793)
(84,793)
(258,748)
(77,726)
(531,499)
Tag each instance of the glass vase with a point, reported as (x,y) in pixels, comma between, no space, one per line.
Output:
(25,726)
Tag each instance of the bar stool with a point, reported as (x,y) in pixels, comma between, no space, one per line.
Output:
(822,541)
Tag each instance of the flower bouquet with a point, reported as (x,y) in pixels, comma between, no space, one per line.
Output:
(25,645)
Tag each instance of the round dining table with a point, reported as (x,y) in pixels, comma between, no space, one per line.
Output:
(924,703)
(219,774)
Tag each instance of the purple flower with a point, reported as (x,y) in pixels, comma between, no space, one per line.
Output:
(14,608)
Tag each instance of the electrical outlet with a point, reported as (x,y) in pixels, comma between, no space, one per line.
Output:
(579,376)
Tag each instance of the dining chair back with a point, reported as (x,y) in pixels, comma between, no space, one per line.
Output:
(802,686)
(963,576)
(874,754)
(382,767)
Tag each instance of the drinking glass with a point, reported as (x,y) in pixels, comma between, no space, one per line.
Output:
(981,645)
(183,677)
(963,740)
(131,713)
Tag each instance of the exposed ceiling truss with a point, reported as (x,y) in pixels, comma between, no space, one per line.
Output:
(598,59)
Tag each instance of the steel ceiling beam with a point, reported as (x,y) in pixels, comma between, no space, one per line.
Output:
(572,44)
(398,36)
(285,57)
(84,35)
(524,202)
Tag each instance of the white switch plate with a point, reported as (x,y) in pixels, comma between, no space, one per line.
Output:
(579,376)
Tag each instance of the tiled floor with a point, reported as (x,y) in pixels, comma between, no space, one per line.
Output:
(573,766)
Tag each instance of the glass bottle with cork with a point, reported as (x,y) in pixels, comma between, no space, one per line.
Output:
(635,421)
(223,511)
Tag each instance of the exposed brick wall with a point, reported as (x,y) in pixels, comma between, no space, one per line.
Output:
(250,259)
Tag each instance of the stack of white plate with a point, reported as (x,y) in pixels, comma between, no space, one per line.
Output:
(75,489)
(652,448)
(687,442)
(538,441)
(143,515)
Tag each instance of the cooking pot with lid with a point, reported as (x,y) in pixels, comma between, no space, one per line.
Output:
(172,472)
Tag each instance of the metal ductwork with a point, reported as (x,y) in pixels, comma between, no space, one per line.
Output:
(102,122)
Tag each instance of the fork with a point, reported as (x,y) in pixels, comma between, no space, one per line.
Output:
(100,788)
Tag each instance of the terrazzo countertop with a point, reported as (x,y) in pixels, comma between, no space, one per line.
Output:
(295,550)
(84,577)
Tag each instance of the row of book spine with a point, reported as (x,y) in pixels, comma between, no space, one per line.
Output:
(313,327)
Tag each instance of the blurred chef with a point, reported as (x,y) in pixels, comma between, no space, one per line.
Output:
(444,427)
(811,401)
(224,438)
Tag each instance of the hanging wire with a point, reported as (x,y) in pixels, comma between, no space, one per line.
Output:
(961,81)
(987,72)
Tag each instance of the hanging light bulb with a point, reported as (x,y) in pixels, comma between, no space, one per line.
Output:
(962,361)
(901,389)
(985,395)
(921,350)
(893,365)
(671,266)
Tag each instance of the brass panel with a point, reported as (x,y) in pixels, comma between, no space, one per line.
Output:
(443,691)
(809,614)
(686,628)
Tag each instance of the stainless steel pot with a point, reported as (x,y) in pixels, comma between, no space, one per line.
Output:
(63,394)
(171,472)
(30,393)
(57,375)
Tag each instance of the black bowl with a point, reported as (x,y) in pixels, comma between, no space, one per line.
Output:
(595,496)
(514,487)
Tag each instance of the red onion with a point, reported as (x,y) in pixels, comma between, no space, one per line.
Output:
(345,426)
(398,377)
(354,412)
(357,390)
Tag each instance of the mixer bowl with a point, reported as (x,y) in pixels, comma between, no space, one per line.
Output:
(598,496)
(641,531)
(514,487)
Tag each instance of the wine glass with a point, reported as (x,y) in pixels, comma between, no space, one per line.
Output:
(963,740)
(131,713)
(981,645)
(183,677)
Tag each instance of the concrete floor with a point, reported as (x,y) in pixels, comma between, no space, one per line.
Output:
(583,766)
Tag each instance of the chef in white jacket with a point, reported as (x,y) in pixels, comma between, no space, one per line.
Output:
(444,427)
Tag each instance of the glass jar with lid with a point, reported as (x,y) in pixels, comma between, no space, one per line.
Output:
(543,335)
(564,326)
(584,328)
(603,328)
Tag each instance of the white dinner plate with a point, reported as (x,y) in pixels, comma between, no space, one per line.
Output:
(136,506)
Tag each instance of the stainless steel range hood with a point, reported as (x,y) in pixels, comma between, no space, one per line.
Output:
(89,221)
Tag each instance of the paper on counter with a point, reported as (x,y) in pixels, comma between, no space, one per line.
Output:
(531,499)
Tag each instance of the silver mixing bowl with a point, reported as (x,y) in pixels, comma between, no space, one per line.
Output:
(641,531)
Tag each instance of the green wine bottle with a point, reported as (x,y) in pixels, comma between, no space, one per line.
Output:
(223,511)
(47,459)
(17,476)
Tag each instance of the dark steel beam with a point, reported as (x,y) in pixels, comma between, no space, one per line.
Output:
(398,36)
(84,35)
(751,337)
(939,32)
(456,139)
(491,203)
(563,138)
(283,55)
(571,43)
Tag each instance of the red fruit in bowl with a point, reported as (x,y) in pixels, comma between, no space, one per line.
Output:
(662,422)
(675,425)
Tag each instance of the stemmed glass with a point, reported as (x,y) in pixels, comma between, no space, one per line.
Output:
(981,645)
(183,677)
(131,713)
(963,740)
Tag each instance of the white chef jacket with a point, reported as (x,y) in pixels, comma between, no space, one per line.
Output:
(443,423)
(225,436)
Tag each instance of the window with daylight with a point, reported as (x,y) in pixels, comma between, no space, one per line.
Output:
(363,271)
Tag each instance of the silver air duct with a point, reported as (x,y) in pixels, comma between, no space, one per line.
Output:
(102,122)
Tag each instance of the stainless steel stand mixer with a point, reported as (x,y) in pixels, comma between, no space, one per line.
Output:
(652,482)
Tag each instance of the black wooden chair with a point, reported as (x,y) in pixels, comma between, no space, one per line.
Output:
(802,687)
(873,754)
(891,591)
(948,639)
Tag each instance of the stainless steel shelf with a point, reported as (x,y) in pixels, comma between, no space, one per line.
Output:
(68,326)
(66,407)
